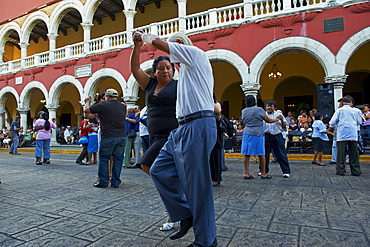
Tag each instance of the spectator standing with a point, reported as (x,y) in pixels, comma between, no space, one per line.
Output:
(274,140)
(43,127)
(182,167)
(289,117)
(112,115)
(347,120)
(215,159)
(15,127)
(366,124)
(132,123)
(319,136)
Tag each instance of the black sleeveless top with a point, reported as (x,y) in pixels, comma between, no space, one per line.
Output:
(161,107)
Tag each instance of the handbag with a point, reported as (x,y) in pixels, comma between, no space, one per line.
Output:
(131,134)
(83,140)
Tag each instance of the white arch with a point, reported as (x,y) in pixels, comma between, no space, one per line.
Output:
(350,47)
(25,98)
(132,85)
(61,9)
(93,82)
(4,96)
(5,31)
(232,58)
(90,9)
(57,88)
(318,50)
(30,23)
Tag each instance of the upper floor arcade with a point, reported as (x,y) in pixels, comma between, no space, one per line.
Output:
(71,29)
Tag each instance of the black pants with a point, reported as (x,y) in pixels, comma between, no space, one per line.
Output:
(83,153)
(276,143)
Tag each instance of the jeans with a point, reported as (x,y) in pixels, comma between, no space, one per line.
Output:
(15,143)
(43,145)
(111,147)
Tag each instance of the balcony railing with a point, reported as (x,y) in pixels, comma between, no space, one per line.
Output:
(232,15)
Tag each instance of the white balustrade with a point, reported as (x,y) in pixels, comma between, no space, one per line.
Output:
(230,13)
(77,49)
(96,44)
(217,16)
(118,39)
(60,53)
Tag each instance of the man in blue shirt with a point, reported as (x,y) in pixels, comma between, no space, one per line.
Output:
(15,138)
(348,121)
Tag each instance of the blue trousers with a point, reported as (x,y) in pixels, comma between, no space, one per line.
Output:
(277,144)
(111,147)
(181,174)
(43,145)
(15,143)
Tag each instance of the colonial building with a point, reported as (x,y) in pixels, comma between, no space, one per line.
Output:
(54,53)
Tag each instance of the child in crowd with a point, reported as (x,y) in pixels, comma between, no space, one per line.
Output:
(319,136)
(293,125)
(92,147)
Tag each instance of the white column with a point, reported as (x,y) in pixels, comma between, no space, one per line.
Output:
(248,9)
(130,14)
(24,47)
(181,7)
(79,118)
(2,122)
(52,45)
(130,101)
(23,112)
(1,56)
(339,81)
(53,115)
(287,5)
(87,34)
(250,88)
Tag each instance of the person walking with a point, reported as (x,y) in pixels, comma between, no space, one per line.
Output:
(319,136)
(112,115)
(15,127)
(84,125)
(43,127)
(182,167)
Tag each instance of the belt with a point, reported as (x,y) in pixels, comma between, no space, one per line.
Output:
(196,115)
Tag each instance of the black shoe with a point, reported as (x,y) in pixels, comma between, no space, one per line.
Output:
(17,154)
(10,153)
(339,173)
(47,162)
(113,186)
(225,169)
(132,167)
(357,175)
(38,163)
(185,226)
(332,163)
(83,164)
(214,244)
(99,185)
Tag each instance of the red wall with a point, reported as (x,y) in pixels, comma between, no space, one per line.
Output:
(13,8)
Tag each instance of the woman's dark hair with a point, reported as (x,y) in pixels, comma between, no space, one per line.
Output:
(250,100)
(45,116)
(101,95)
(317,116)
(94,120)
(160,58)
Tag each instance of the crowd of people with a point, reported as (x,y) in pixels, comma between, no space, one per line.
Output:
(178,138)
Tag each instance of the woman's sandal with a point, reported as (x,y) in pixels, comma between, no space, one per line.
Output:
(266,177)
(166,226)
(250,177)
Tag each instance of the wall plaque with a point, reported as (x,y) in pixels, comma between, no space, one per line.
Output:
(334,25)
(83,71)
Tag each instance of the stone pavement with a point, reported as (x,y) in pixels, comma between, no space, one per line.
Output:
(56,205)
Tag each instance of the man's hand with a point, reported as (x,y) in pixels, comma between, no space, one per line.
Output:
(136,37)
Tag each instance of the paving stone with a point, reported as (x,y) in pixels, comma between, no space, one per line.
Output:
(56,205)
(327,237)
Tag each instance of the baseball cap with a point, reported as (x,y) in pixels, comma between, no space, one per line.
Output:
(111,92)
